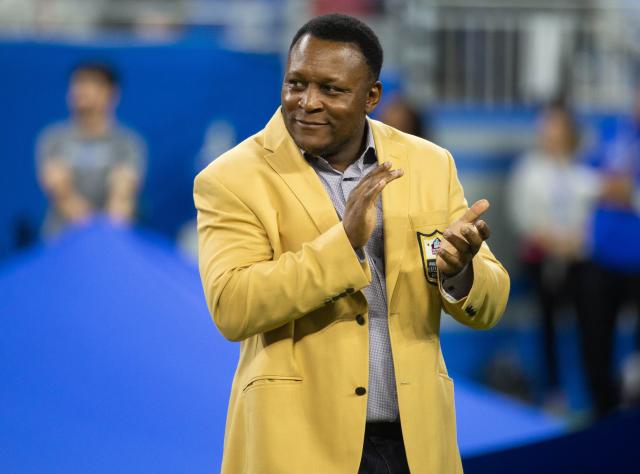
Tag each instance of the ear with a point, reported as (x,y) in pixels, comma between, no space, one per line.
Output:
(373,96)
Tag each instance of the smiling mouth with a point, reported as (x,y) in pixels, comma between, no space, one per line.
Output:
(305,123)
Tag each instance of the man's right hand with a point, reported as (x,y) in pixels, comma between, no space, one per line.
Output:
(360,213)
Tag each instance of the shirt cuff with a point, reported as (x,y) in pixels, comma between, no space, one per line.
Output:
(456,288)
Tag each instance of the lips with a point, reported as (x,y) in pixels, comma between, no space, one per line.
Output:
(310,124)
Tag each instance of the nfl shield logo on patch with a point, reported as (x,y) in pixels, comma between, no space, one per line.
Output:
(435,246)
(429,246)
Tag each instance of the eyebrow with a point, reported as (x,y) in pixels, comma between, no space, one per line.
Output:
(321,79)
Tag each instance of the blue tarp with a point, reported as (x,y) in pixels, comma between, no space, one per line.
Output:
(488,421)
(609,446)
(109,362)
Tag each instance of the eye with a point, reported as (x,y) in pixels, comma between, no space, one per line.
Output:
(332,89)
(295,84)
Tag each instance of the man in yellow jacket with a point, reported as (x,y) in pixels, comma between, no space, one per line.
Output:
(329,244)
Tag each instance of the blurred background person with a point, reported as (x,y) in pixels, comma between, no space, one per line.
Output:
(352,7)
(613,278)
(550,196)
(90,164)
(399,113)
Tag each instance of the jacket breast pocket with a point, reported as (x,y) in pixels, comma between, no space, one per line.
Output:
(428,219)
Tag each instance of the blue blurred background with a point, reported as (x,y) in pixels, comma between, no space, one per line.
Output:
(108,358)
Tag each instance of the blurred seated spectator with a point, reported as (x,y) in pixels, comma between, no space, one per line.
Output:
(550,196)
(613,278)
(397,112)
(90,164)
(351,7)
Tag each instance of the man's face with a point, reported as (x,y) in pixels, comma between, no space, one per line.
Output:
(327,91)
(90,92)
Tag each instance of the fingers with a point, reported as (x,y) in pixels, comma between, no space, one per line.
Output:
(380,171)
(369,187)
(457,241)
(483,229)
(377,171)
(462,243)
(379,185)
(449,263)
(475,211)
(472,235)
(460,249)
(374,182)
(360,213)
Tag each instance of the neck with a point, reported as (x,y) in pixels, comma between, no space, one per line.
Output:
(349,153)
(93,124)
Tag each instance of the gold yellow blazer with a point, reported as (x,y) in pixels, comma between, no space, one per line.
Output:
(281,277)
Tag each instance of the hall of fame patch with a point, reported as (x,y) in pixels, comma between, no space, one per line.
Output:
(429,246)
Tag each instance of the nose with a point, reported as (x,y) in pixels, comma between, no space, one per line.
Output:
(310,99)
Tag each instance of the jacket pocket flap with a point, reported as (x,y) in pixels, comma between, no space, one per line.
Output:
(262,380)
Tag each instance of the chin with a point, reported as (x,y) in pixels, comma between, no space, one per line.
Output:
(316,142)
(314,147)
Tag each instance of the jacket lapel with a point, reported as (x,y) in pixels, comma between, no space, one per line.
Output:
(395,204)
(286,160)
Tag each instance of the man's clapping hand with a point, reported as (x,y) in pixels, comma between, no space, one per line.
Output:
(463,239)
(360,213)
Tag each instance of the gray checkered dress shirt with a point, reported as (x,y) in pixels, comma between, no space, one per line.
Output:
(383,400)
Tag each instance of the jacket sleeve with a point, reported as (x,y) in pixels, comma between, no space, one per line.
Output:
(248,291)
(487,299)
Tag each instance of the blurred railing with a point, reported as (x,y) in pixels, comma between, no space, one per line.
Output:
(253,25)
(477,52)
(497,53)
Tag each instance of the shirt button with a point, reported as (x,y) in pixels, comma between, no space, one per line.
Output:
(360,320)
(360,391)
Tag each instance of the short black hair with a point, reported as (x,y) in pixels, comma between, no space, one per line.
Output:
(347,29)
(102,69)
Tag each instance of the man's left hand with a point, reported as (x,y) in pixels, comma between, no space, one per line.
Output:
(463,239)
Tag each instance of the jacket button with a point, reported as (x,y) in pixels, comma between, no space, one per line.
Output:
(360,320)
(360,391)
(350,290)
